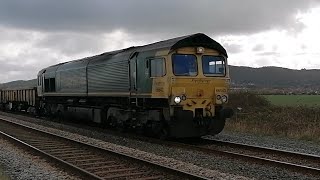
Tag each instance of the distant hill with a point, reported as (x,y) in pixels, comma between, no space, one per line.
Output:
(264,77)
(274,77)
(20,84)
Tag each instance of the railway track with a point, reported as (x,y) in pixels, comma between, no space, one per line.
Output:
(292,161)
(296,162)
(264,152)
(89,162)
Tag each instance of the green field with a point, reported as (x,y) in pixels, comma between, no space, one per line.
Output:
(294,100)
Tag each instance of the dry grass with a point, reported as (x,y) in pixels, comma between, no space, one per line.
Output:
(258,116)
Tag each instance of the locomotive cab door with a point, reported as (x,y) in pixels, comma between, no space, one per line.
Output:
(40,87)
(133,78)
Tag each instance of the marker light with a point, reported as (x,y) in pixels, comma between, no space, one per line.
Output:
(177,99)
(224,98)
(200,50)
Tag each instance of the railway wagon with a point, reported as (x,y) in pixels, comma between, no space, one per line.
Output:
(176,88)
(19,99)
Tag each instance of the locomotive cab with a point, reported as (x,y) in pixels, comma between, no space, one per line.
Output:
(199,89)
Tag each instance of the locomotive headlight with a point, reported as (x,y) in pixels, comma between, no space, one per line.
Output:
(177,99)
(224,98)
(200,50)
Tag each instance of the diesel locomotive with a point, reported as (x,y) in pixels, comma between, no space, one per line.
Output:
(173,88)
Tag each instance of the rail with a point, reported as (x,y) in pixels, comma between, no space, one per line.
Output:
(91,162)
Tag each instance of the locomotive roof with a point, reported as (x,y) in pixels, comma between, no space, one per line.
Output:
(194,40)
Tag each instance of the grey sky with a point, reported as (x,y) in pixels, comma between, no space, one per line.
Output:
(148,16)
(37,33)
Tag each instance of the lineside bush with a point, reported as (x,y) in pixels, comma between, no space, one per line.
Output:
(255,114)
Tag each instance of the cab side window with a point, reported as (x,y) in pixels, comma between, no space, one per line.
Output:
(39,80)
(157,67)
(49,85)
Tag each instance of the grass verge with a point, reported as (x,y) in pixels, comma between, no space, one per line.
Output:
(294,100)
(255,114)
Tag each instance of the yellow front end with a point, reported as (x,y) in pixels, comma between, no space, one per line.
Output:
(198,82)
(199,95)
(198,92)
(196,86)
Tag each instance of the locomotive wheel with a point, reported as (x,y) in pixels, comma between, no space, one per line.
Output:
(119,126)
(163,133)
(47,110)
(106,122)
(217,125)
(59,116)
(156,129)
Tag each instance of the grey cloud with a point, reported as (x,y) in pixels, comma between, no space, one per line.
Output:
(259,47)
(7,66)
(7,36)
(48,32)
(303,46)
(153,17)
(26,64)
(10,72)
(268,54)
(232,48)
(71,43)
(260,62)
(274,48)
